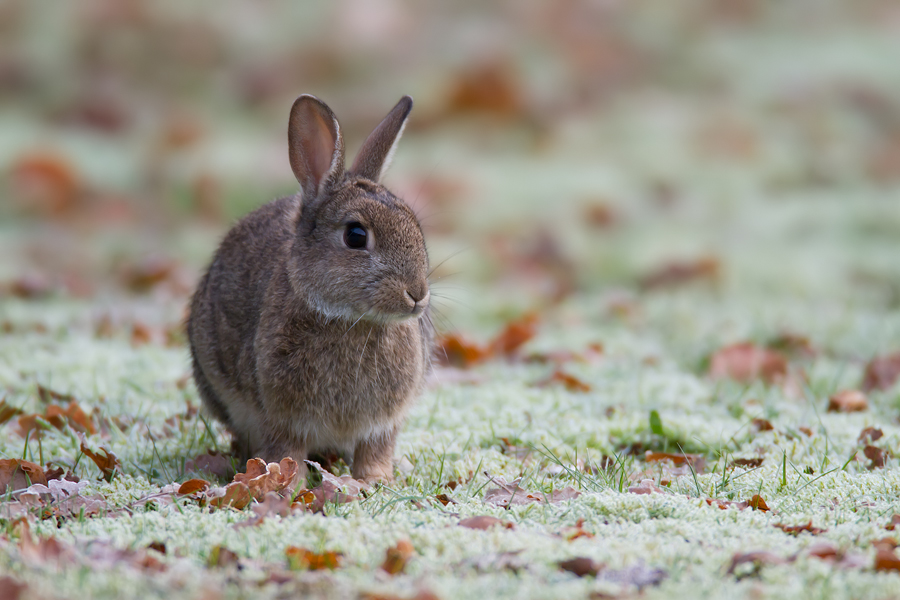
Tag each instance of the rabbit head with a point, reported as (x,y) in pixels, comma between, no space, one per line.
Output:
(359,252)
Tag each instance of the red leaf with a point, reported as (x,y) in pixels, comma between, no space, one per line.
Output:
(105,460)
(455,351)
(881,372)
(192,486)
(876,455)
(262,478)
(747,462)
(886,560)
(514,335)
(746,362)
(570,382)
(869,435)
(236,494)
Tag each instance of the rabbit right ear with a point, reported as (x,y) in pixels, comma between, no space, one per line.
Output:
(315,145)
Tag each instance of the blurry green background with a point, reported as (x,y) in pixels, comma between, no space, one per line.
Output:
(557,150)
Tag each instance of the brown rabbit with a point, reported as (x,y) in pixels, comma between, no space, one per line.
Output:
(310,330)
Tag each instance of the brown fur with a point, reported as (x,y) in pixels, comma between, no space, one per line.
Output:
(300,343)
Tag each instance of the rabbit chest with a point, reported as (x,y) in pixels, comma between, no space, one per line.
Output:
(334,381)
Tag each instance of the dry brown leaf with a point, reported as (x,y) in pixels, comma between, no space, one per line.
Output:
(16,474)
(793,345)
(695,461)
(236,495)
(105,460)
(193,486)
(46,395)
(894,524)
(680,273)
(272,504)
(747,462)
(881,372)
(762,425)
(570,382)
(301,559)
(220,556)
(484,522)
(869,435)
(444,499)
(454,350)
(7,412)
(510,494)
(489,88)
(757,502)
(646,486)
(260,478)
(886,560)
(73,414)
(876,456)
(141,334)
(824,551)
(847,401)
(45,183)
(581,566)
(514,335)
(758,559)
(396,557)
(599,215)
(798,529)
(746,362)
(29,286)
(578,531)
(726,504)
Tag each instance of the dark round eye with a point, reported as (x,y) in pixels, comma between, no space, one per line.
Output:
(355,236)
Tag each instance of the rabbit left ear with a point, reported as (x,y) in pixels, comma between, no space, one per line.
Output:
(315,146)
(377,151)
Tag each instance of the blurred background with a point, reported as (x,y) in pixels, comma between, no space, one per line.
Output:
(571,155)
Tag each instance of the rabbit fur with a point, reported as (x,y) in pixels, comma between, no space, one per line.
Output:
(301,343)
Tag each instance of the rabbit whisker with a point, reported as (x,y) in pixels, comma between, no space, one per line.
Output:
(458,252)
(355,322)
(362,354)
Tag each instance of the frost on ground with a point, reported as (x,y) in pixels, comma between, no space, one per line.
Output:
(670,311)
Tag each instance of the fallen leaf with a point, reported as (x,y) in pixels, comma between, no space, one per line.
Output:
(638,575)
(444,499)
(16,474)
(726,504)
(193,486)
(798,529)
(141,334)
(680,273)
(757,502)
(489,88)
(45,183)
(881,372)
(757,558)
(11,589)
(824,551)
(570,382)
(301,559)
(599,215)
(141,277)
(793,345)
(45,395)
(30,286)
(484,522)
(581,566)
(886,560)
(333,489)
(747,462)
(454,350)
(869,435)
(514,335)
(894,524)
(220,556)
(695,461)
(236,495)
(646,486)
(396,557)
(875,455)
(76,418)
(7,412)
(510,494)
(578,531)
(848,401)
(762,425)
(746,362)
(272,505)
(105,460)
(261,478)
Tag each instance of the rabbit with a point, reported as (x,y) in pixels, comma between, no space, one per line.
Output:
(310,330)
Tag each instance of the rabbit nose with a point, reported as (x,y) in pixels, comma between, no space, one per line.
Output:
(419,299)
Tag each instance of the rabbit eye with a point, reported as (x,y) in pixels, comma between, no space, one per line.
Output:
(355,236)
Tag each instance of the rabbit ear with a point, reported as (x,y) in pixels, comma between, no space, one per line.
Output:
(378,149)
(315,145)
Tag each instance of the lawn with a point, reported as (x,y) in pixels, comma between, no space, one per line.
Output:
(667,284)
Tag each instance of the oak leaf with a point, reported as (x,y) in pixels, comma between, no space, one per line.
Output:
(847,401)
(397,556)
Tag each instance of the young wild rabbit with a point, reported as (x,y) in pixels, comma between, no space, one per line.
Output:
(310,330)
